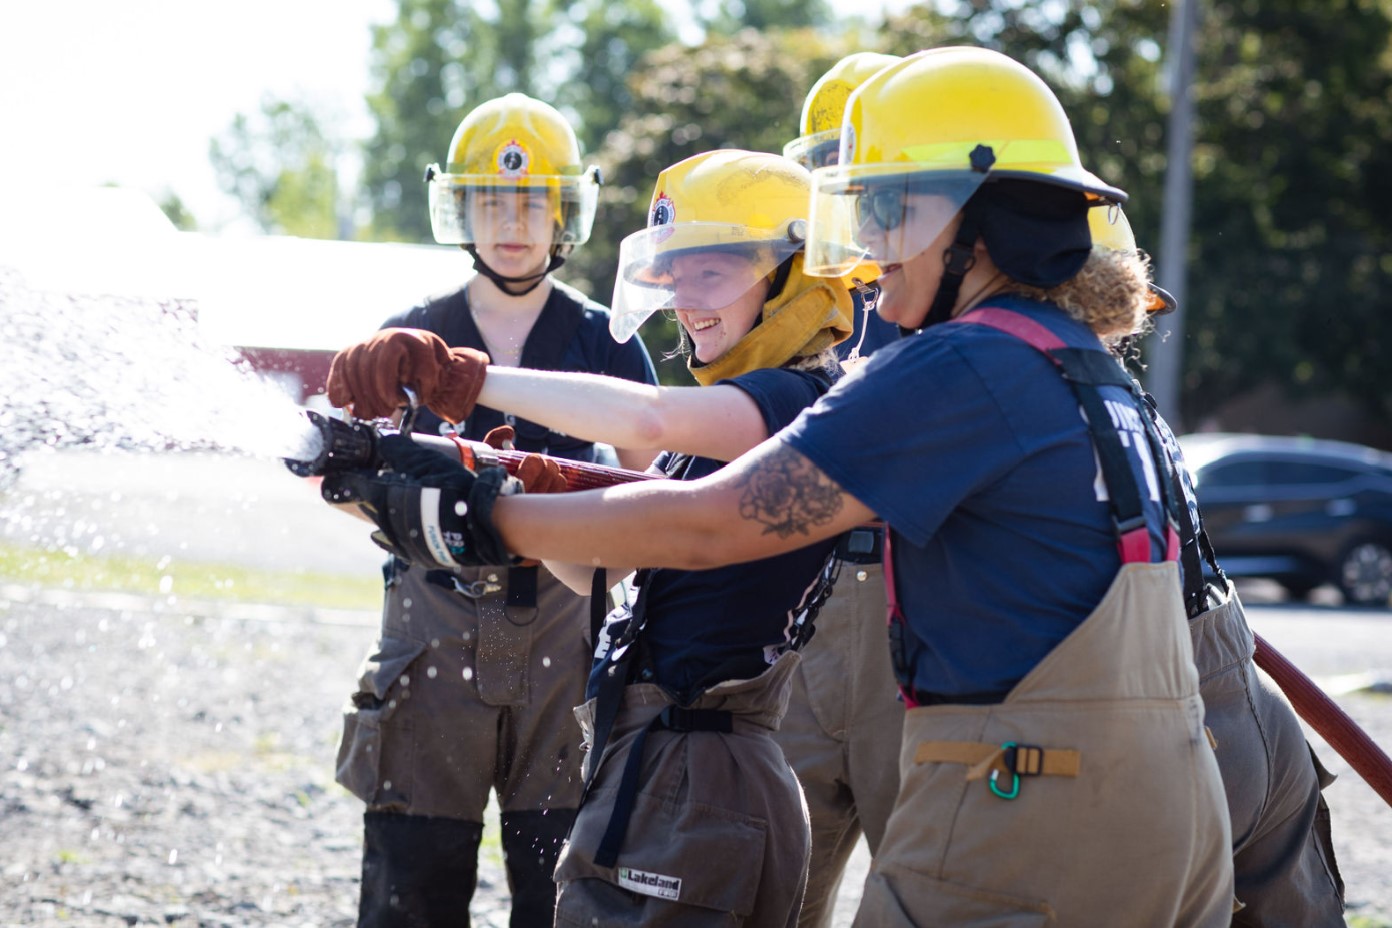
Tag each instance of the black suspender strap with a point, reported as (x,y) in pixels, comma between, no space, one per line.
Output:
(1086,370)
(599,601)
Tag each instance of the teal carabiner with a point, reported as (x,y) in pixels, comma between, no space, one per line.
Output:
(1015,776)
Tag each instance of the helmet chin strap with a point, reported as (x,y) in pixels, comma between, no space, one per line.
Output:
(529,282)
(958,259)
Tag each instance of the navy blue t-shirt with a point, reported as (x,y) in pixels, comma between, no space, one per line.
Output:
(705,626)
(972,447)
(571,334)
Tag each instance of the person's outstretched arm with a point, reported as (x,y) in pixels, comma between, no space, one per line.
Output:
(766,502)
(720,422)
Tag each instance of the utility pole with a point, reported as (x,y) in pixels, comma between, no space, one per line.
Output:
(1165,355)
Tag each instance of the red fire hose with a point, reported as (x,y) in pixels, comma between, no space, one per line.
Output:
(1333,724)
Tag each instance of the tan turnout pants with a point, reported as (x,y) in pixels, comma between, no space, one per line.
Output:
(719,830)
(1283,859)
(1127,825)
(841,734)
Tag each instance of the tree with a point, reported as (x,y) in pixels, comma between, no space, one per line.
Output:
(730,16)
(438,60)
(282,167)
(597,45)
(173,207)
(1289,274)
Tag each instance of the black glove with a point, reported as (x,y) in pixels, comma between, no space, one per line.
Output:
(430,511)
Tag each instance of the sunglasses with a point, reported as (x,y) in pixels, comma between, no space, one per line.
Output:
(883,206)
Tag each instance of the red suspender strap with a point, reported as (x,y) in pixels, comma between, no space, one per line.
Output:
(1022,327)
(897,627)
(1133,542)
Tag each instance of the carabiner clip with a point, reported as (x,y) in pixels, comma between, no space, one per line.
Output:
(1014,775)
(477,589)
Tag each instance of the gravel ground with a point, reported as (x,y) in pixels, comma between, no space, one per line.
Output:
(170,763)
(166,762)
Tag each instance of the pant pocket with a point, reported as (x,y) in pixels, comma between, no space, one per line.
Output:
(359,764)
(674,856)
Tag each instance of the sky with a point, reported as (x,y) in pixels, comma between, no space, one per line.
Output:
(131,91)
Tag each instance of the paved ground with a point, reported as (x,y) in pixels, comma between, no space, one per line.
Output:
(170,762)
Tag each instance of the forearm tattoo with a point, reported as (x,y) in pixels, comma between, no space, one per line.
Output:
(787,494)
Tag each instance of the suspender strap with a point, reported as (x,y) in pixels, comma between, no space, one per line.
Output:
(599,599)
(522,587)
(672,718)
(1086,370)
(1194,544)
(898,628)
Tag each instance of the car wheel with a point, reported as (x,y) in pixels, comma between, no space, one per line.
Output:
(1365,574)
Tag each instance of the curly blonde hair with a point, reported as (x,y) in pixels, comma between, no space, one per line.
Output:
(1109,295)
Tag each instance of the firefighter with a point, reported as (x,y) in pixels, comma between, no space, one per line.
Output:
(841,733)
(692,812)
(470,687)
(1054,765)
(1283,854)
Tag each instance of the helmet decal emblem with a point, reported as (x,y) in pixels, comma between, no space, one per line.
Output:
(663,213)
(848,144)
(513,159)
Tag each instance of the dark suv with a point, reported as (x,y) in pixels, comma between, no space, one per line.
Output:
(1301,511)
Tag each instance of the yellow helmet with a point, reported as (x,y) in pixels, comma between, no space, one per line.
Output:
(942,122)
(750,203)
(826,103)
(512,144)
(1112,230)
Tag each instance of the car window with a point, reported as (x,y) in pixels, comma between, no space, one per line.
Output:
(1232,474)
(1307,472)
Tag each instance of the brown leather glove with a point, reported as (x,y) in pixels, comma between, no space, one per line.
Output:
(369,375)
(538,473)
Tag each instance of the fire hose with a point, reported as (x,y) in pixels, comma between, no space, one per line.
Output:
(352,445)
(1331,722)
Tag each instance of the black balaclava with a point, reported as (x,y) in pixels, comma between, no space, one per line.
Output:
(1036,233)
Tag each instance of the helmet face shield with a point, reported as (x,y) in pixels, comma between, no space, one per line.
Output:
(480,209)
(692,266)
(880,213)
(817,150)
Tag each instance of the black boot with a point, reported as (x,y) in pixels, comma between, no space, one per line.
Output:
(418,871)
(531,843)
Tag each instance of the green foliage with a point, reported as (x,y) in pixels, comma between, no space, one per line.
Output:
(597,45)
(732,15)
(281,165)
(1290,273)
(178,213)
(437,61)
